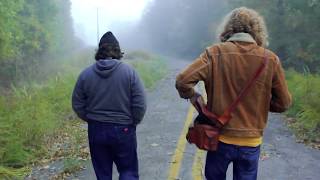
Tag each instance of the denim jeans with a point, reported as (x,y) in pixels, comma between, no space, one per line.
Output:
(245,162)
(112,143)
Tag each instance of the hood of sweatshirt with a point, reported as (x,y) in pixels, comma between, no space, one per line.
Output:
(105,68)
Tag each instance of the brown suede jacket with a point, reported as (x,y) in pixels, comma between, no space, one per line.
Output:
(233,64)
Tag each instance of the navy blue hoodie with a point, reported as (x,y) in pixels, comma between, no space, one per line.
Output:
(109,91)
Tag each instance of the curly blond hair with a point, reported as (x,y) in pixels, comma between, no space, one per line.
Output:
(244,20)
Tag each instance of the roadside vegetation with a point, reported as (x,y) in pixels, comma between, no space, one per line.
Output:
(37,124)
(150,68)
(33,32)
(31,117)
(306,105)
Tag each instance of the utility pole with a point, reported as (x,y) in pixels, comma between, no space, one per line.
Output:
(98,34)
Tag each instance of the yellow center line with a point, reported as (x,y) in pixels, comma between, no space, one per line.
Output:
(197,166)
(181,145)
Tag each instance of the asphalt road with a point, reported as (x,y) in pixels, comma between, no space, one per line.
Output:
(164,154)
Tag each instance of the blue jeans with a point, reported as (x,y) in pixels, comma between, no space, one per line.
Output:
(113,143)
(245,162)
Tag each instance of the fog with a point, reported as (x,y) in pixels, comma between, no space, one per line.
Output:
(181,27)
(113,15)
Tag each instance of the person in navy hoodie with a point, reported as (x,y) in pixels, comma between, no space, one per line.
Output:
(110,97)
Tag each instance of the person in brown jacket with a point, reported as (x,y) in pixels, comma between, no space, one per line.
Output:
(234,61)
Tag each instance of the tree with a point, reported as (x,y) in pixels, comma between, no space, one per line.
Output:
(31,31)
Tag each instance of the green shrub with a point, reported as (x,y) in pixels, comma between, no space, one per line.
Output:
(306,104)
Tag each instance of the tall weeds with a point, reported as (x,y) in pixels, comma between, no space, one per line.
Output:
(29,115)
(305,89)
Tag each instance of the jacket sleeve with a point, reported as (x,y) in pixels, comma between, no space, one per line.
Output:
(280,96)
(189,77)
(138,99)
(79,100)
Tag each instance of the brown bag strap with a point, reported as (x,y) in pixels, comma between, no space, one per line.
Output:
(226,116)
(210,75)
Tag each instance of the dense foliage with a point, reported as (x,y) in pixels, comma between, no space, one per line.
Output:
(293,29)
(32,30)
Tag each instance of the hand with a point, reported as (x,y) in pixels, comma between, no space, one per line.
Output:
(198,97)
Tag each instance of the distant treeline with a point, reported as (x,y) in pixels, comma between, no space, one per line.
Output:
(185,27)
(293,29)
(31,31)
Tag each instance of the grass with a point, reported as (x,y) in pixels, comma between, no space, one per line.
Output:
(306,105)
(13,173)
(34,116)
(150,70)
(29,117)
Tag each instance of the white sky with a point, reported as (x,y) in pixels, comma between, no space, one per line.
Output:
(84,13)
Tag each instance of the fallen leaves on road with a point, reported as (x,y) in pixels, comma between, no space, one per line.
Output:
(300,134)
(68,145)
(264,156)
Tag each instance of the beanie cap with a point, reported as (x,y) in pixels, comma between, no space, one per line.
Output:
(108,38)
